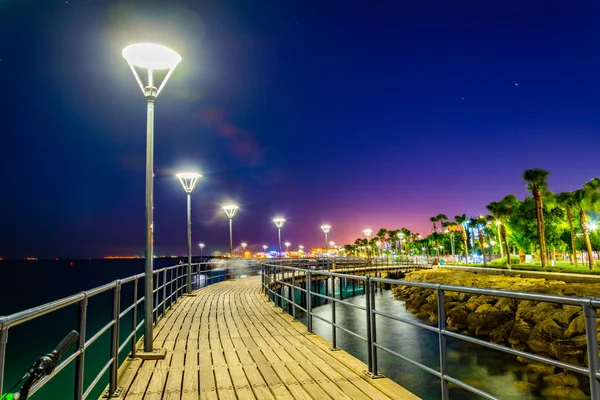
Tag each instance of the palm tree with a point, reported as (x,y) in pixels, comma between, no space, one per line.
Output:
(522,241)
(536,184)
(566,200)
(460,220)
(381,235)
(479,223)
(588,199)
(448,225)
(407,236)
(393,238)
(501,212)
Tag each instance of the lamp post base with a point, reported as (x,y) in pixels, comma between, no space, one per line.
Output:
(155,354)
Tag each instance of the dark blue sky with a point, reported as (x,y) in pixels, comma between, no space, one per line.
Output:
(356,113)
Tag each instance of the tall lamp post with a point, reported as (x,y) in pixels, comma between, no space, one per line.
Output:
(326,229)
(301,249)
(244,245)
(401,237)
(279,221)
(368,233)
(265,247)
(188,181)
(230,210)
(202,246)
(287,248)
(150,57)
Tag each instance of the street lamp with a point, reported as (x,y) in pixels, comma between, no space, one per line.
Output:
(401,236)
(202,246)
(368,233)
(265,247)
(287,248)
(150,57)
(326,229)
(279,221)
(301,249)
(230,210)
(188,181)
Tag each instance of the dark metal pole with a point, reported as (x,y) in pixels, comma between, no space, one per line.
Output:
(3,340)
(592,348)
(189,237)
(442,342)
(114,340)
(373,326)
(308,303)
(134,315)
(79,362)
(164,292)
(294,294)
(333,319)
(367,288)
(150,93)
(326,246)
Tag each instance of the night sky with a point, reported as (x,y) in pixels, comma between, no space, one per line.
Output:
(353,113)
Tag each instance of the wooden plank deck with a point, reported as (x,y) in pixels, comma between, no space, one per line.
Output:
(229,342)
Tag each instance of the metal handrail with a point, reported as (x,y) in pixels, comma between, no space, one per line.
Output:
(275,278)
(172,288)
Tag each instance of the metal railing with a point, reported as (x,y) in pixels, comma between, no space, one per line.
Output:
(277,274)
(347,263)
(169,285)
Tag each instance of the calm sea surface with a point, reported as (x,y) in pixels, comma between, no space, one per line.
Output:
(28,284)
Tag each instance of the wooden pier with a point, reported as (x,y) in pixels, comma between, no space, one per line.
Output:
(229,342)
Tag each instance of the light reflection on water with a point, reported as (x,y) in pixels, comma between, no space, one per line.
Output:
(488,370)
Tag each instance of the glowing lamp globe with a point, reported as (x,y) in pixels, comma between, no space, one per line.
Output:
(230,210)
(326,228)
(188,180)
(279,221)
(151,56)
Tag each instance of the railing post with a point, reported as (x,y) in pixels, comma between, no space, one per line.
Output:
(80,360)
(134,317)
(592,348)
(294,294)
(164,292)
(441,309)
(333,319)
(308,303)
(114,339)
(3,341)
(367,288)
(373,325)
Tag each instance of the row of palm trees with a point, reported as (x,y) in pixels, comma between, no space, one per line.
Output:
(528,225)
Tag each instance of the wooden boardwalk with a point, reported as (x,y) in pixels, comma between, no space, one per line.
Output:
(229,342)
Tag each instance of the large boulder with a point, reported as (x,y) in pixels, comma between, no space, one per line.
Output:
(482,323)
(543,334)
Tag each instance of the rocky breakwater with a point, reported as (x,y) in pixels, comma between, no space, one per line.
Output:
(547,329)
